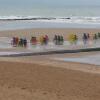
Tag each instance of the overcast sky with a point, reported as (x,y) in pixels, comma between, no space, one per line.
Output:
(54,2)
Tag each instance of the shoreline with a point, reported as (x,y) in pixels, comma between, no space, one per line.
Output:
(51,60)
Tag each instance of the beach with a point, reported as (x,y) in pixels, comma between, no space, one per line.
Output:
(51,32)
(49,50)
(39,77)
(43,77)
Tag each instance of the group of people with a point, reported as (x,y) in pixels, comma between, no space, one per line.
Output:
(44,40)
(58,39)
(33,40)
(73,38)
(86,38)
(96,36)
(16,41)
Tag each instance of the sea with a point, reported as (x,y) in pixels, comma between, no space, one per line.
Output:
(21,14)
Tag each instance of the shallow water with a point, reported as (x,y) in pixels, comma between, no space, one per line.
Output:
(27,24)
(92,59)
(5,43)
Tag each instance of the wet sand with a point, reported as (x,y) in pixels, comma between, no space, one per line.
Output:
(49,31)
(35,78)
(43,78)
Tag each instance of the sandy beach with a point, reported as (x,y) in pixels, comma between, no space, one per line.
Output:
(47,31)
(43,78)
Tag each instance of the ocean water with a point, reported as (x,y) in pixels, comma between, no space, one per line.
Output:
(95,59)
(15,14)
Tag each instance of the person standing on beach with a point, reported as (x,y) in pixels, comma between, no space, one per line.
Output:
(41,40)
(58,40)
(13,41)
(17,41)
(21,42)
(95,37)
(85,38)
(55,40)
(47,38)
(75,39)
(98,34)
(25,42)
(61,40)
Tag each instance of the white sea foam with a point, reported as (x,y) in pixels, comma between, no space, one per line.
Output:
(22,22)
(73,19)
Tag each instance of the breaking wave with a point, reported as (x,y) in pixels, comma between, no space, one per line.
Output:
(73,19)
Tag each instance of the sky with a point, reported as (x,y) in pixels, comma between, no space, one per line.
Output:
(37,6)
(49,2)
